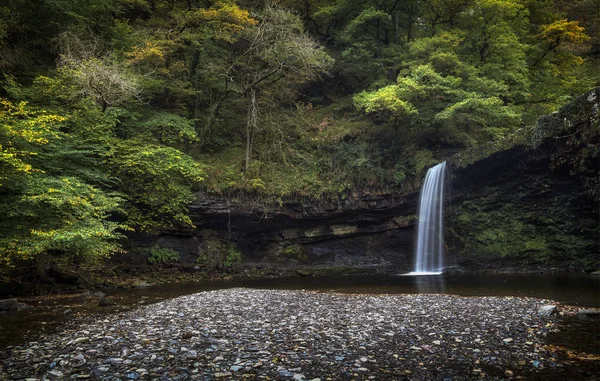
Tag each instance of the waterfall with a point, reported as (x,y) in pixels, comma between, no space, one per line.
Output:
(429,253)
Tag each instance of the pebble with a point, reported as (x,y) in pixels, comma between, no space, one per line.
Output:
(80,340)
(53,374)
(294,335)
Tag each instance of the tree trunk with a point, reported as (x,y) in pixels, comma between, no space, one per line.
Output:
(396,22)
(251,123)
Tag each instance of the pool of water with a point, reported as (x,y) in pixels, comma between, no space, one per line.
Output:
(48,313)
(574,289)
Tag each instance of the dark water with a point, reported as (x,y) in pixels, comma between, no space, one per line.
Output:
(49,313)
(574,289)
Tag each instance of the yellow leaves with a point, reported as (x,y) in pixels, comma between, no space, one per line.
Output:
(564,31)
(21,125)
(229,13)
(149,53)
(225,20)
(34,126)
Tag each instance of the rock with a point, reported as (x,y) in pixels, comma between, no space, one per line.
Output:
(115,361)
(588,314)
(54,374)
(223,375)
(595,273)
(79,360)
(80,340)
(285,373)
(508,373)
(508,340)
(236,368)
(105,302)
(9,305)
(192,355)
(187,335)
(299,377)
(547,310)
(437,342)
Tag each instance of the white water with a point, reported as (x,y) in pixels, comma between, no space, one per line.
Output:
(429,253)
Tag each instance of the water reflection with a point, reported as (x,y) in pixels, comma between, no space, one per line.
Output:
(430,284)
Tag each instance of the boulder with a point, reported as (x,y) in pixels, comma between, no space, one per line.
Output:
(547,310)
(9,305)
(105,302)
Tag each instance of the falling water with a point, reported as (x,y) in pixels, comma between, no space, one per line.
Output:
(429,254)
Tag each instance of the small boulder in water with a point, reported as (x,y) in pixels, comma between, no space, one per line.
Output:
(588,314)
(105,302)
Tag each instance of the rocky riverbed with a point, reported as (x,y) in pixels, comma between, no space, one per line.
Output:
(242,334)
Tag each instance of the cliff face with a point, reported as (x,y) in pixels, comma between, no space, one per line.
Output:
(535,203)
(365,232)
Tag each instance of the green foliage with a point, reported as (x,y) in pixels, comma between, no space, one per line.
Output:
(233,258)
(162,255)
(170,129)
(114,112)
(61,215)
(296,253)
(158,182)
(43,210)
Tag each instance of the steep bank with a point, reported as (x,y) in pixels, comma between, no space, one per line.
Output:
(533,204)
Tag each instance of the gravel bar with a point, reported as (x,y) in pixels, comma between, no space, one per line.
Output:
(246,334)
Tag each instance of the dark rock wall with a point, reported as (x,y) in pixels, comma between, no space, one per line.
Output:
(533,204)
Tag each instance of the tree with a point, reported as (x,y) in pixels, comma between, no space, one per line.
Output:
(442,98)
(103,79)
(43,211)
(276,51)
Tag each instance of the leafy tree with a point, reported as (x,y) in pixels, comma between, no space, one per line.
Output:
(276,53)
(158,182)
(103,79)
(41,212)
(445,101)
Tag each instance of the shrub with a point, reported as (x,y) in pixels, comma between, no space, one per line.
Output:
(162,255)
(233,257)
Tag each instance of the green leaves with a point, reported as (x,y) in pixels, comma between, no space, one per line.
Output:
(158,182)
(58,214)
(170,128)
(385,99)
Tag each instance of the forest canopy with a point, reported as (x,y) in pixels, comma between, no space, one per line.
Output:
(114,112)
